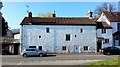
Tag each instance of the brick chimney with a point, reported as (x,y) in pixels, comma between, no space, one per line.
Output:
(30,17)
(30,14)
(54,15)
(90,14)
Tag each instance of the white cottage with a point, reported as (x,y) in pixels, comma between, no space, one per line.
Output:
(104,35)
(59,34)
(111,19)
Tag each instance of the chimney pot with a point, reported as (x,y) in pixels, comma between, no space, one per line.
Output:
(90,14)
(30,14)
(54,15)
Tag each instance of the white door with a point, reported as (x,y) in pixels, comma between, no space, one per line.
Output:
(76,49)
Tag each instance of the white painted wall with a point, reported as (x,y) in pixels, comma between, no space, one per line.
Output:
(114,25)
(17,36)
(103,19)
(107,35)
(53,41)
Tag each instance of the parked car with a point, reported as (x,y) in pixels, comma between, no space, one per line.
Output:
(110,50)
(33,52)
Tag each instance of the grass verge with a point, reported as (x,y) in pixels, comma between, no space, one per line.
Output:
(106,63)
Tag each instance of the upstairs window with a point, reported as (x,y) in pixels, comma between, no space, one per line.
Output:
(81,30)
(67,37)
(118,25)
(103,31)
(106,40)
(47,30)
(39,36)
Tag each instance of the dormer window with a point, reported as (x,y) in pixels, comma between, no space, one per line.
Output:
(103,31)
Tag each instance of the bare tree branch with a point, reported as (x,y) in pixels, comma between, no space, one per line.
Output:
(104,7)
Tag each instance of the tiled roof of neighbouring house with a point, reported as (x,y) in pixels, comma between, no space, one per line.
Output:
(102,25)
(112,16)
(58,21)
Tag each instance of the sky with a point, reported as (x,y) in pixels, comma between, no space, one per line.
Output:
(14,12)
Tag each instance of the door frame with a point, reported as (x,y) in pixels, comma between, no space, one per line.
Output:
(76,50)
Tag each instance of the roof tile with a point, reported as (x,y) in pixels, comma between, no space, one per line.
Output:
(112,16)
(58,21)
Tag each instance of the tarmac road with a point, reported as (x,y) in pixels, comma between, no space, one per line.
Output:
(54,59)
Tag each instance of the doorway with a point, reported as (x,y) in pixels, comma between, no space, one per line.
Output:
(76,48)
(99,45)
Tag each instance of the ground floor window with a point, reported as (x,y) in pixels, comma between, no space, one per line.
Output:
(63,47)
(106,40)
(40,48)
(116,38)
(85,47)
(32,46)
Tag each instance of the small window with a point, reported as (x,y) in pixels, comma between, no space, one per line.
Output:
(103,31)
(63,47)
(40,48)
(67,37)
(85,47)
(81,30)
(75,36)
(39,36)
(106,40)
(47,30)
(32,46)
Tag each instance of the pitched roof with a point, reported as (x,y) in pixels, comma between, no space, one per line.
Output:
(112,16)
(58,21)
(103,25)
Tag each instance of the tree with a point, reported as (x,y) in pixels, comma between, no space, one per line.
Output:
(48,14)
(4,27)
(3,23)
(104,7)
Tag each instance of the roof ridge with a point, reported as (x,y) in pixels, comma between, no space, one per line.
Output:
(60,17)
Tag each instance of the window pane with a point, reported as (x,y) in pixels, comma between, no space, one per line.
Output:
(67,37)
(106,40)
(103,31)
(81,30)
(32,46)
(63,47)
(118,25)
(40,48)
(47,30)
(39,36)
(85,47)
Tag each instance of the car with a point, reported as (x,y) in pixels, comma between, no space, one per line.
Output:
(110,50)
(33,52)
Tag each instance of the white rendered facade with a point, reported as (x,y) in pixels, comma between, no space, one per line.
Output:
(52,42)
